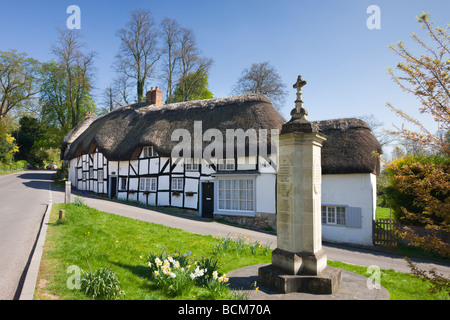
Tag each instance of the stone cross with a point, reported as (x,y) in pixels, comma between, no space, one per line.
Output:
(299,111)
(299,85)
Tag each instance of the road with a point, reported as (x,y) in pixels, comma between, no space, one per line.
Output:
(24,198)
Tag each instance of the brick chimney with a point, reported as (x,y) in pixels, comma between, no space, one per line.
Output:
(155,96)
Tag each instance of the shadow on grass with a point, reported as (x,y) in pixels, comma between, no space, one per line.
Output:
(140,271)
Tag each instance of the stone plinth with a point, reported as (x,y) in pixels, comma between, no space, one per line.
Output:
(328,282)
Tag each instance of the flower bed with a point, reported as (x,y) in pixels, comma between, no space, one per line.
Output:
(176,274)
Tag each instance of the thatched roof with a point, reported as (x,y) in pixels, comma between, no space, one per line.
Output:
(75,133)
(121,134)
(350,147)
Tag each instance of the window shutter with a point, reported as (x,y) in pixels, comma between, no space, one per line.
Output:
(353,217)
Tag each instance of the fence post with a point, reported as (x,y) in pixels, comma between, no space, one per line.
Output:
(68,190)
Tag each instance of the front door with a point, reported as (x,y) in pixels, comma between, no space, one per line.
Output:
(113,187)
(207,199)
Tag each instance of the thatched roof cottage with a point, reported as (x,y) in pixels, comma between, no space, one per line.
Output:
(127,154)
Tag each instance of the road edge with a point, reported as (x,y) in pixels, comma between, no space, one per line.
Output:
(29,284)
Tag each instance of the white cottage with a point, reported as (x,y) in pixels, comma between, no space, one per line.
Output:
(127,154)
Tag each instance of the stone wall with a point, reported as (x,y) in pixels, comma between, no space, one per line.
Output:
(261,221)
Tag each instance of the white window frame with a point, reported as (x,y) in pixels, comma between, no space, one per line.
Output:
(100,176)
(191,165)
(122,185)
(147,184)
(333,215)
(234,195)
(148,152)
(177,184)
(226,165)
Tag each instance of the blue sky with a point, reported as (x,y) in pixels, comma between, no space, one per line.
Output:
(327,42)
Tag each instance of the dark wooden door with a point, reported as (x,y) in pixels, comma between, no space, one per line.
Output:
(113,187)
(207,199)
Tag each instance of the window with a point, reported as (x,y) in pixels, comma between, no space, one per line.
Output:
(91,173)
(148,184)
(236,195)
(84,174)
(177,184)
(191,165)
(226,164)
(333,215)
(123,183)
(149,152)
(100,175)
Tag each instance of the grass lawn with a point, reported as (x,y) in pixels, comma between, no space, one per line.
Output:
(123,244)
(383,213)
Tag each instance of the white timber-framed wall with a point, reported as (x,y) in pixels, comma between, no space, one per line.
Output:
(161,181)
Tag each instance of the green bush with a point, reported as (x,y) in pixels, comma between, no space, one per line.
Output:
(101,284)
(427,173)
(21,164)
(62,172)
(14,166)
(79,202)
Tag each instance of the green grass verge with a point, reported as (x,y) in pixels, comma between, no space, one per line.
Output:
(123,244)
(383,213)
(401,286)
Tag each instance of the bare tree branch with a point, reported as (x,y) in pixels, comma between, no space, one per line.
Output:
(138,51)
(262,78)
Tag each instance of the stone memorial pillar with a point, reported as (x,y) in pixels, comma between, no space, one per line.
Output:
(299,263)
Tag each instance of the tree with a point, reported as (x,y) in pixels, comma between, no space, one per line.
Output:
(423,183)
(56,109)
(8,145)
(64,102)
(19,76)
(192,66)
(117,94)
(78,69)
(192,87)
(427,77)
(170,34)
(262,78)
(138,52)
(383,137)
(29,134)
